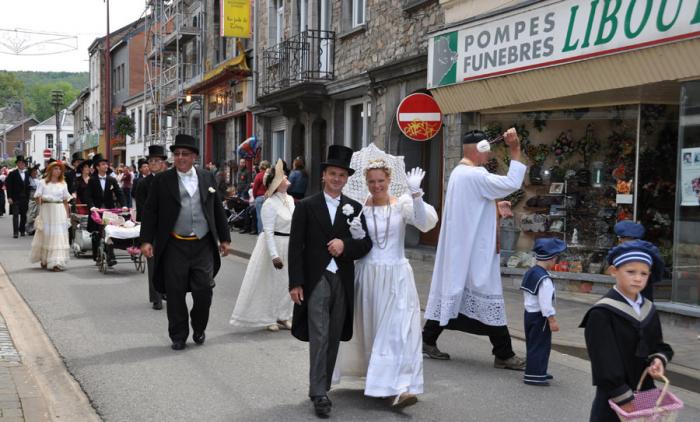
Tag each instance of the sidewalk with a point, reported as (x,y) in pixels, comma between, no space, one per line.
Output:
(684,370)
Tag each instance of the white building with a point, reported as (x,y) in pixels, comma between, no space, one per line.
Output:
(44,134)
(137,145)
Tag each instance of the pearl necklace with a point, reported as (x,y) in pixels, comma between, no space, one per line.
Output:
(382,245)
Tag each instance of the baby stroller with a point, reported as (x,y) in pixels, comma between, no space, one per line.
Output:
(236,212)
(120,233)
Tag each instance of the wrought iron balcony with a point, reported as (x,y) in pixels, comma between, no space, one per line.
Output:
(306,57)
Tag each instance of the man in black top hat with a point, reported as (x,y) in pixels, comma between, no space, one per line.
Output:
(69,173)
(184,228)
(322,272)
(155,164)
(103,192)
(18,196)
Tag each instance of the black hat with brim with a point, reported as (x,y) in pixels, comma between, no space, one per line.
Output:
(76,157)
(473,137)
(157,151)
(339,156)
(79,169)
(185,141)
(20,158)
(97,159)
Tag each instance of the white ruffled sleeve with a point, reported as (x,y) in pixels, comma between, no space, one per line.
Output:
(66,196)
(417,213)
(39,189)
(268,215)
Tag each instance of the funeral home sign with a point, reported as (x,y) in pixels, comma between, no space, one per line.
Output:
(550,33)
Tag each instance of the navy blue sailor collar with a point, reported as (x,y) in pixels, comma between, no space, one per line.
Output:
(533,278)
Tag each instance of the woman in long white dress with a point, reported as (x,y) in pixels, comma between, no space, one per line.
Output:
(50,245)
(386,347)
(263,301)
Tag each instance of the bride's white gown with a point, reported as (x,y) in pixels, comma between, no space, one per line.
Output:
(386,346)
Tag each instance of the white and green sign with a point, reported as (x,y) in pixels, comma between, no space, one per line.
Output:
(556,32)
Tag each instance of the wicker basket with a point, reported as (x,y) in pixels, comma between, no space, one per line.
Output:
(651,405)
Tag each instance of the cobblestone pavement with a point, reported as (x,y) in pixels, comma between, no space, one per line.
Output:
(10,404)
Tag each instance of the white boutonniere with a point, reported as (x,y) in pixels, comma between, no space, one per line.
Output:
(212,190)
(348,210)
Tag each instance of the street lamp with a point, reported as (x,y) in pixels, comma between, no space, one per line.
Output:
(57,103)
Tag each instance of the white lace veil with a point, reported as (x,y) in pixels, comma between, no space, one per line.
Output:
(356,188)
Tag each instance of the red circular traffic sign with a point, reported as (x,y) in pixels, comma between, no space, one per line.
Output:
(47,153)
(419,117)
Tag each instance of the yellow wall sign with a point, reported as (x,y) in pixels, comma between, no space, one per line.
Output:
(235,18)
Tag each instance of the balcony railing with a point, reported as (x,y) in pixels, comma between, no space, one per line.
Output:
(307,57)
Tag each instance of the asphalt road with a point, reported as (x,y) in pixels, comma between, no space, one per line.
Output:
(118,349)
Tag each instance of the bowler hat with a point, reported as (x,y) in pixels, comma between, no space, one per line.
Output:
(157,151)
(185,141)
(339,156)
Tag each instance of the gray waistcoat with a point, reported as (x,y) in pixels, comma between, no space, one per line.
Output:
(191,218)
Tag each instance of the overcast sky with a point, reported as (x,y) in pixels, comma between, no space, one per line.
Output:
(85,19)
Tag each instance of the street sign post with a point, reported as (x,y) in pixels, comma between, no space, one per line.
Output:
(419,117)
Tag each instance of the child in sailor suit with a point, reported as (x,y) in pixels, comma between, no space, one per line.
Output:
(538,297)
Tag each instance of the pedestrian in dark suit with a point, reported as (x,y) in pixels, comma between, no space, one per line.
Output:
(103,192)
(155,164)
(184,228)
(322,271)
(18,196)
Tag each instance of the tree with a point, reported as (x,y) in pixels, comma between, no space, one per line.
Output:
(124,126)
(11,88)
(40,98)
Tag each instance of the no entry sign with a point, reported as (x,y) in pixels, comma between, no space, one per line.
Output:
(419,117)
(47,153)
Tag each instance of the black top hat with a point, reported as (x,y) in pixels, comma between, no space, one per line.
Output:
(141,162)
(339,156)
(157,151)
(76,157)
(185,141)
(20,158)
(97,159)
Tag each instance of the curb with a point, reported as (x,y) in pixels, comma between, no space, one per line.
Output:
(46,383)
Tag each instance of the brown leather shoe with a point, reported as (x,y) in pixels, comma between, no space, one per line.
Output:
(433,352)
(404,400)
(514,362)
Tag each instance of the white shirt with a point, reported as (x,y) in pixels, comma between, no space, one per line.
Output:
(542,302)
(332,204)
(189,180)
(21,174)
(103,181)
(636,304)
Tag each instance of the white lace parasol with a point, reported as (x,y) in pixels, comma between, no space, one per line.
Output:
(356,188)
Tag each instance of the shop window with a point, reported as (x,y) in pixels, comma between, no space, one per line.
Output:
(358,123)
(686,259)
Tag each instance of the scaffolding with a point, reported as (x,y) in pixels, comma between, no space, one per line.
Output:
(173,57)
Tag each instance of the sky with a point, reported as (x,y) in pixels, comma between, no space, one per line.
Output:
(85,19)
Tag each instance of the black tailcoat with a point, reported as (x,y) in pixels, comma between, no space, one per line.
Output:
(162,209)
(308,255)
(111,197)
(17,190)
(140,194)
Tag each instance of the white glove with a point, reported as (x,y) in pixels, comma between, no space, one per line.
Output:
(356,230)
(414,179)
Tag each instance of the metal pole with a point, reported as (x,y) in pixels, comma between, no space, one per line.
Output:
(58,133)
(108,94)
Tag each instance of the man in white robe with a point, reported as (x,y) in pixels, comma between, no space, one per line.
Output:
(466,292)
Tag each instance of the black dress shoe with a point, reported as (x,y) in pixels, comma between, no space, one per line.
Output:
(322,406)
(22,234)
(178,345)
(15,236)
(199,338)
(157,306)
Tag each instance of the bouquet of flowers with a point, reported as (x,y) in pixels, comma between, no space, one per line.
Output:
(537,153)
(588,145)
(564,146)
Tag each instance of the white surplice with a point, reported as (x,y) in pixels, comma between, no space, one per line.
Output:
(386,346)
(466,277)
(264,296)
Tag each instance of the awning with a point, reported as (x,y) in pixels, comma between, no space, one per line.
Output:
(234,68)
(669,62)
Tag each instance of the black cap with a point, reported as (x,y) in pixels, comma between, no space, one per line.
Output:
(185,141)
(339,156)
(157,151)
(473,137)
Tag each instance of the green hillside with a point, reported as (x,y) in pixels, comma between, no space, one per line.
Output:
(34,88)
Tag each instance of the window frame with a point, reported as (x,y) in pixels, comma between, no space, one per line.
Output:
(366,121)
(355,7)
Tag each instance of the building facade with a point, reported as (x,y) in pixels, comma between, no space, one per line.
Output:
(15,136)
(43,137)
(608,127)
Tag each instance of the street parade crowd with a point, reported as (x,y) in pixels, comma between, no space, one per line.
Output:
(331,267)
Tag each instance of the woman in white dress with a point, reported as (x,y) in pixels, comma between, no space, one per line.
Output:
(386,344)
(50,244)
(263,300)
